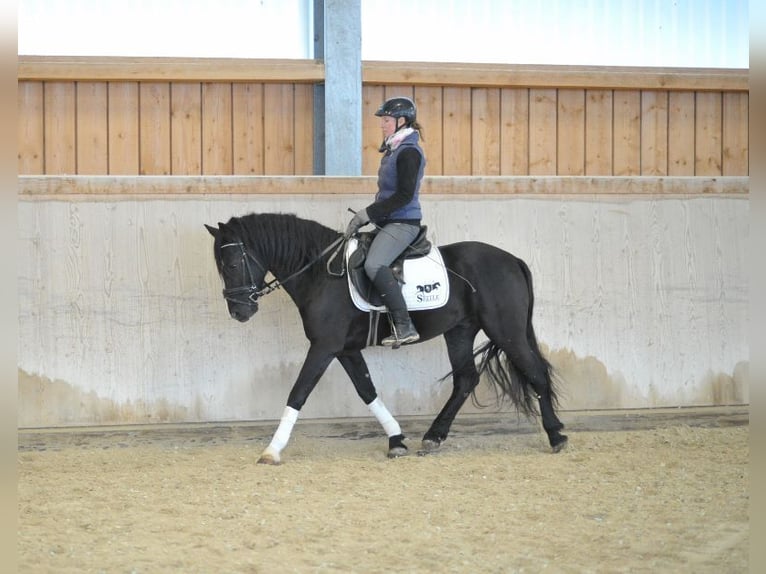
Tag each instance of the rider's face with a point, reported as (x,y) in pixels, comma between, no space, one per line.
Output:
(388,125)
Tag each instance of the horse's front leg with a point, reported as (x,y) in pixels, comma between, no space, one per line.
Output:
(316,363)
(354,364)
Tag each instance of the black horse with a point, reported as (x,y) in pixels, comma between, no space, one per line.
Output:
(490,290)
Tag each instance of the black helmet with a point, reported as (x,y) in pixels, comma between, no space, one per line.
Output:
(398,108)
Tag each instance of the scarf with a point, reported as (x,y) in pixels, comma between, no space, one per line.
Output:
(395,139)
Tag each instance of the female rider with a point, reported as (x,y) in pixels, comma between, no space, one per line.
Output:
(396,210)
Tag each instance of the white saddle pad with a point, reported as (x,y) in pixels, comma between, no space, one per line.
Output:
(426,284)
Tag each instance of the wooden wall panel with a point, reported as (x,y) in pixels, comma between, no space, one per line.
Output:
(598,132)
(30,128)
(92,131)
(304,129)
(60,128)
(654,133)
(247,117)
(485,131)
(397,91)
(456,129)
(429,102)
(514,131)
(186,128)
(542,132)
(735,139)
(123,128)
(627,132)
(217,129)
(154,128)
(681,133)
(708,125)
(497,125)
(279,129)
(372,97)
(570,145)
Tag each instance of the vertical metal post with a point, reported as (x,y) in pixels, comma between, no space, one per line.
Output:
(343,87)
(319,96)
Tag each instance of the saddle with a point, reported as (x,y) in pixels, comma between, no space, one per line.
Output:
(419,247)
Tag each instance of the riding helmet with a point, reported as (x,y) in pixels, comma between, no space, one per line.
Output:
(400,107)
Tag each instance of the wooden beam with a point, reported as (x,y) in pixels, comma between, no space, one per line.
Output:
(539,76)
(168,69)
(131,187)
(84,68)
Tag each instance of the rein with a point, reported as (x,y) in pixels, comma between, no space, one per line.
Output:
(252,290)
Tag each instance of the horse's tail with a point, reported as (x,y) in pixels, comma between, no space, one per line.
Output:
(509,382)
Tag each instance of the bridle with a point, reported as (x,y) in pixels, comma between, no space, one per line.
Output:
(250,289)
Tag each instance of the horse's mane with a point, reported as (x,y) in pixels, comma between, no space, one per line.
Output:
(283,238)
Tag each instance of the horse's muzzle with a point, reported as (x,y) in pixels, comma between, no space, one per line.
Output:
(242,314)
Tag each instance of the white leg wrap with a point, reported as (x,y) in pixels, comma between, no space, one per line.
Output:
(284,430)
(385,418)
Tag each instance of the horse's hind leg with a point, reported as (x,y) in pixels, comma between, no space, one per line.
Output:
(536,372)
(514,335)
(465,377)
(551,422)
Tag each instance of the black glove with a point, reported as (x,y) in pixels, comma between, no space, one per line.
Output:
(360,218)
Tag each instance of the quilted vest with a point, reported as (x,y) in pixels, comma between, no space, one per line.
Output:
(387,180)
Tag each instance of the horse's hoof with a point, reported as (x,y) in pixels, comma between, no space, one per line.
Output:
(560,445)
(398,452)
(270,458)
(396,446)
(430,445)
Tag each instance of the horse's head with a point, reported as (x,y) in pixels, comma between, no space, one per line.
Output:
(242,274)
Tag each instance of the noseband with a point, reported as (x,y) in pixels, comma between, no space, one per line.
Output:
(250,289)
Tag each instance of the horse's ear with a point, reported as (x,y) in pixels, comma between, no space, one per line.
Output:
(213,230)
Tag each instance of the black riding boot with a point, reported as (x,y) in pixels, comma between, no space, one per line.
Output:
(390,292)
